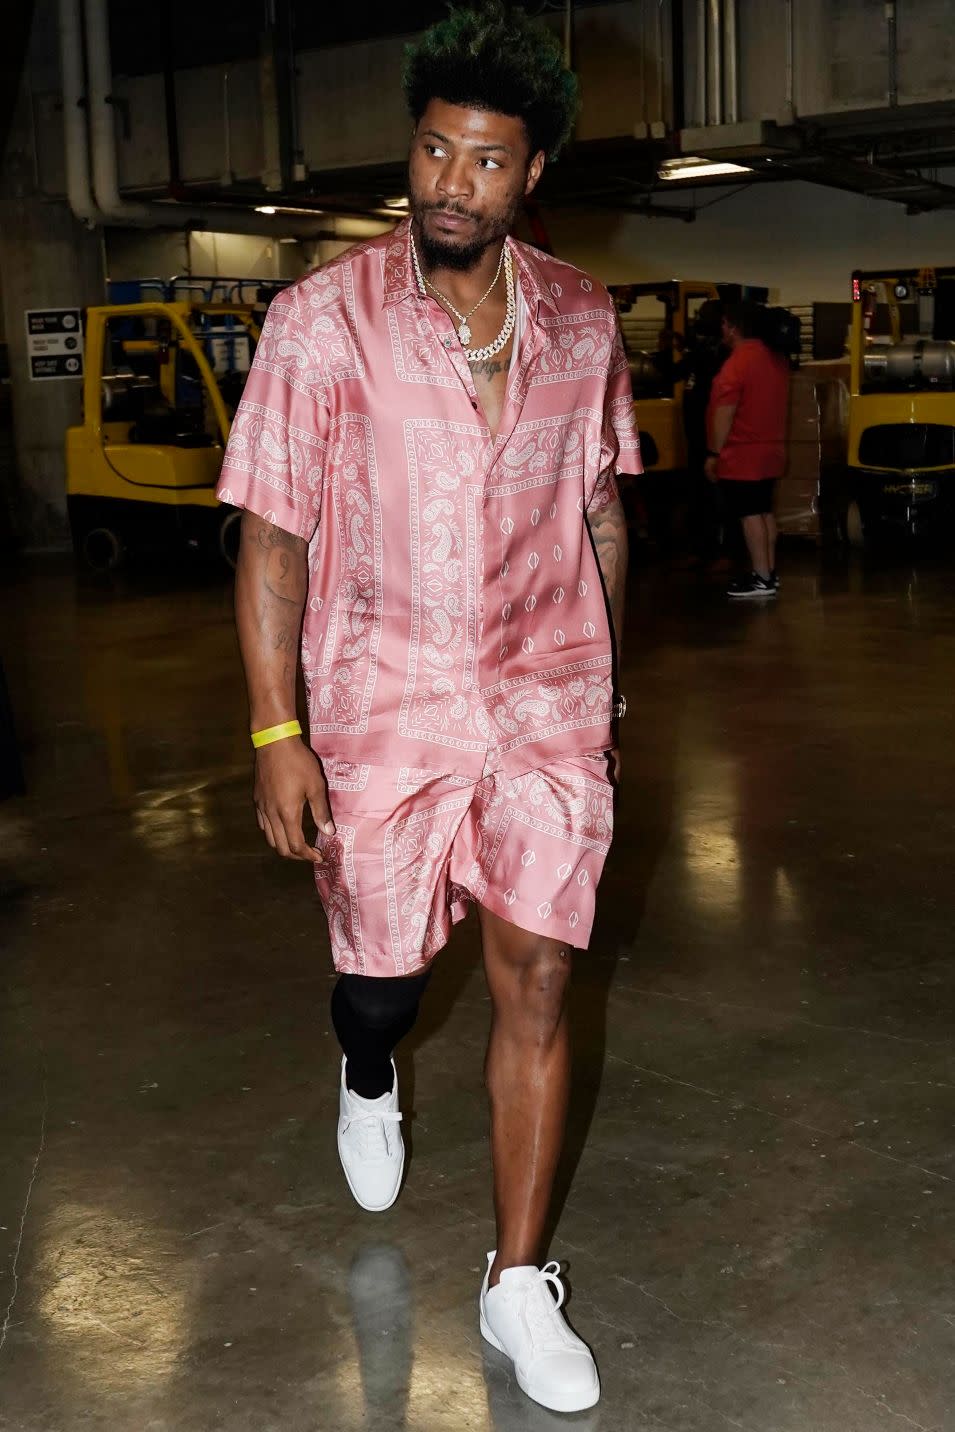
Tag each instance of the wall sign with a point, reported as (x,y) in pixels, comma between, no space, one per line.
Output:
(54,343)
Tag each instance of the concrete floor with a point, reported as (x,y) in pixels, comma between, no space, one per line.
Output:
(756,1205)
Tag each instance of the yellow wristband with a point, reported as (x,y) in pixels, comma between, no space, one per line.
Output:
(276,733)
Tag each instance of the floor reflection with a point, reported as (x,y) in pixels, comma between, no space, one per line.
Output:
(165,820)
(379,1296)
(115,1304)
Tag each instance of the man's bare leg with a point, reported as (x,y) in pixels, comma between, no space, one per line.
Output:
(527,1072)
(757,542)
(771,533)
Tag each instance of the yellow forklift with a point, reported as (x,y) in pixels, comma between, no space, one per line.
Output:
(657,321)
(658,324)
(900,476)
(161,385)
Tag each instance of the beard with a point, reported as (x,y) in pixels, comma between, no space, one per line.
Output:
(461,254)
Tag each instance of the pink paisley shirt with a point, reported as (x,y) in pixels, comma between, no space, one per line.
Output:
(455,618)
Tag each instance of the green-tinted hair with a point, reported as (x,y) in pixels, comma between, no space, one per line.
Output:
(490,56)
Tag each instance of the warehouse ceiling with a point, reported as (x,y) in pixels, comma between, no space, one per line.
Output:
(225,34)
(890,151)
(884,156)
(625,174)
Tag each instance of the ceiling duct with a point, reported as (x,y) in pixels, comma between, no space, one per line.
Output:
(89,93)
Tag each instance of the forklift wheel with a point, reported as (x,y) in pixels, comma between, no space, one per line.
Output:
(103,549)
(229,538)
(855,532)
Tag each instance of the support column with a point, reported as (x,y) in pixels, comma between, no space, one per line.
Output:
(47,260)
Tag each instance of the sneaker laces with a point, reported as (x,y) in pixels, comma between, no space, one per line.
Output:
(370,1128)
(547,1329)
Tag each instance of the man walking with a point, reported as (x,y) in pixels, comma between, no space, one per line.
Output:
(425,452)
(747,432)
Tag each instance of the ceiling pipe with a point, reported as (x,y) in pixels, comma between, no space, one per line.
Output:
(660,104)
(677,72)
(75,139)
(167,51)
(274,173)
(701,90)
(714,62)
(892,44)
(106,205)
(731,62)
(296,152)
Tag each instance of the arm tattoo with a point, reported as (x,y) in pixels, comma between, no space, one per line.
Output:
(270,591)
(284,576)
(281,574)
(608,527)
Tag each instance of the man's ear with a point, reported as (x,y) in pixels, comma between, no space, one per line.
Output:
(534,172)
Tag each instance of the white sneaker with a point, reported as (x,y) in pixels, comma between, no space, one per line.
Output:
(522,1320)
(370,1145)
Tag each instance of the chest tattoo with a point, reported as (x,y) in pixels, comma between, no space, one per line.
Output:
(486,368)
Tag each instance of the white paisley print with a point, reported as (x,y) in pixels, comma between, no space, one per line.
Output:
(418,848)
(338,890)
(342,680)
(440,701)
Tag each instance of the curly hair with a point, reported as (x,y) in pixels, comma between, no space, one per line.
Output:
(493,57)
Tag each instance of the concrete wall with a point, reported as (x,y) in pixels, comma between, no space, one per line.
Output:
(136,253)
(800,240)
(840,56)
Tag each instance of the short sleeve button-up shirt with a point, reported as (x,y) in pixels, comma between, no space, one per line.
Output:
(455,619)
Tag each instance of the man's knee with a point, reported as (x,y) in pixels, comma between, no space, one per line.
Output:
(536,992)
(381,1002)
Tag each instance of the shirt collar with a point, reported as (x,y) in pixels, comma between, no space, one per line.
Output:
(400,282)
(535,288)
(399,272)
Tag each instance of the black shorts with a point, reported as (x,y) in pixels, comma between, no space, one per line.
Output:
(748,497)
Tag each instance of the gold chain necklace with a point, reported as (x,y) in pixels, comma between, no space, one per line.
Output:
(464,330)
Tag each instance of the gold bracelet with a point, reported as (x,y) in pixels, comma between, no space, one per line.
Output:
(276,733)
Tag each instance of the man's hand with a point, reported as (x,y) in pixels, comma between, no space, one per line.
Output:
(709,468)
(613,762)
(287,776)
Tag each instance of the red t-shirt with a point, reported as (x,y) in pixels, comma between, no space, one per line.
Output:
(756,380)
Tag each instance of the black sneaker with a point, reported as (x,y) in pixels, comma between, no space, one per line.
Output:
(774,578)
(752,586)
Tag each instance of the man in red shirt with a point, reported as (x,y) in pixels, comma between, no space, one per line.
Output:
(746,422)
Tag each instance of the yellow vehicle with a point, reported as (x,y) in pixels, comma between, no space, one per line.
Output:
(161,385)
(901,444)
(656,320)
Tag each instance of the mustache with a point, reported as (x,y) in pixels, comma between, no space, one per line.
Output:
(458,211)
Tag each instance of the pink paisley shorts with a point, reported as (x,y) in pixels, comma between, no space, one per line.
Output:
(412,848)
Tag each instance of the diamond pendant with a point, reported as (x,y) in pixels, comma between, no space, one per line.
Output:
(464,333)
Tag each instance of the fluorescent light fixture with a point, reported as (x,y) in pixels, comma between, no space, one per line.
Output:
(692,167)
(401,203)
(288,209)
(288,241)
